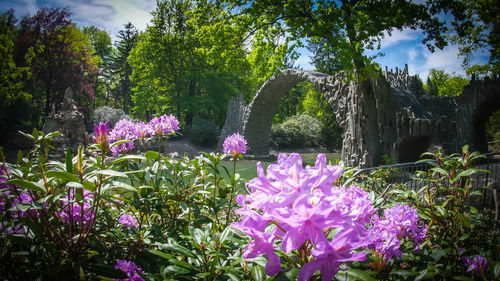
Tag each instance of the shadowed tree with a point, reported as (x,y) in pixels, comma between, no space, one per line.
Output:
(58,54)
(121,67)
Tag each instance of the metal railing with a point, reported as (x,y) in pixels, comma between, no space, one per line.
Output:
(405,173)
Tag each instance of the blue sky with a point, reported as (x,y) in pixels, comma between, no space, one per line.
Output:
(400,48)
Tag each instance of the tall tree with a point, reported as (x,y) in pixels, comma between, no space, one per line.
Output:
(15,109)
(324,58)
(128,39)
(103,51)
(58,55)
(348,27)
(191,60)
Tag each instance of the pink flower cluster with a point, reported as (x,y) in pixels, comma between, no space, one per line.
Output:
(128,221)
(123,130)
(128,130)
(235,144)
(131,269)
(164,125)
(10,197)
(399,221)
(75,210)
(302,211)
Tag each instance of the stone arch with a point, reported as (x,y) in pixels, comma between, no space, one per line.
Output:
(481,115)
(410,148)
(264,106)
(385,115)
(478,101)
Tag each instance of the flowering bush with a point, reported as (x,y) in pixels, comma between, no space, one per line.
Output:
(166,218)
(321,224)
(125,131)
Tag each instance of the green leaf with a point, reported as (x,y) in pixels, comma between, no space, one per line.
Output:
(119,142)
(88,185)
(69,162)
(258,272)
(496,271)
(124,186)
(438,254)
(178,269)
(73,184)
(110,173)
(64,176)
(402,272)
(24,184)
(152,155)
(161,254)
(107,271)
(358,274)
(127,157)
(179,249)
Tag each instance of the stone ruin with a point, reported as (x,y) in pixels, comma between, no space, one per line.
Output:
(70,122)
(392,117)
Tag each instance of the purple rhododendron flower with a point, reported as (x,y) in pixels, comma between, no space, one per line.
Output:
(399,221)
(143,130)
(478,264)
(124,130)
(131,269)
(305,206)
(164,125)
(128,221)
(101,132)
(235,144)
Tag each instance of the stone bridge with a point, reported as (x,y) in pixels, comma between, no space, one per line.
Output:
(392,116)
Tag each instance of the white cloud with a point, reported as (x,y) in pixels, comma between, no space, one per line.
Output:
(21,8)
(397,36)
(110,15)
(446,59)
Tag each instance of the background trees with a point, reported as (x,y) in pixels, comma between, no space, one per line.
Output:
(121,67)
(59,56)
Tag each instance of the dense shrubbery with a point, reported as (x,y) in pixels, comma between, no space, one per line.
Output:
(204,132)
(297,131)
(153,217)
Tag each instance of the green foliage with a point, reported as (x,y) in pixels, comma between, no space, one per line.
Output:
(440,83)
(315,105)
(297,131)
(122,67)
(348,28)
(109,114)
(15,107)
(493,131)
(182,209)
(103,51)
(476,27)
(59,56)
(204,132)
(190,61)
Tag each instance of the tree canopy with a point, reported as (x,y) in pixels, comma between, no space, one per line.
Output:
(347,27)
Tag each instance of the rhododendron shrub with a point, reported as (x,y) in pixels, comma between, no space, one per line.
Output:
(125,131)
(302,212)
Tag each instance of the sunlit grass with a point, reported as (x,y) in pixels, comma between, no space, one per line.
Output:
(248,168)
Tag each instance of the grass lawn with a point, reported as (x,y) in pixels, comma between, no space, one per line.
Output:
(248,168)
